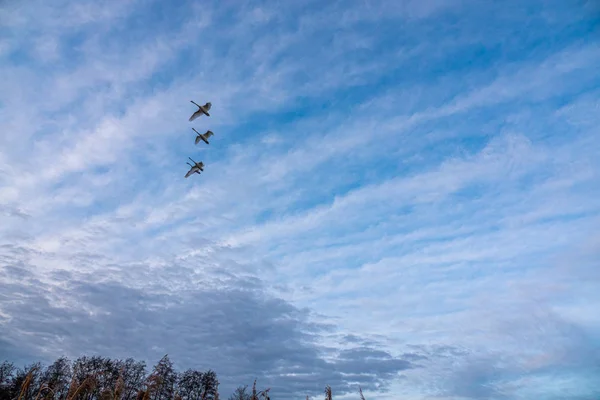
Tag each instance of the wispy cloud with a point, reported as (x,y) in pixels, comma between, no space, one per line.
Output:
(398,196)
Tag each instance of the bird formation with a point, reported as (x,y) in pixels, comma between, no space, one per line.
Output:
(202,110)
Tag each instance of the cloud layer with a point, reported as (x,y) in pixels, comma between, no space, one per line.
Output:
(398,196)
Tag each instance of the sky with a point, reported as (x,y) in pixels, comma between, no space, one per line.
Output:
(398,195)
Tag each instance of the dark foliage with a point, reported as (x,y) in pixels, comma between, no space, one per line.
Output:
(240,394)
(99,378)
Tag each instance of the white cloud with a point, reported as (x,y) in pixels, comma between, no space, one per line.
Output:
(405,185)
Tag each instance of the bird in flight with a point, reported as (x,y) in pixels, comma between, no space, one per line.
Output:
(196,168)
(204,136)
(201,110)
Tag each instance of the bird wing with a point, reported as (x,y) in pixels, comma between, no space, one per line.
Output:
(191,171)
(207,106)
(208,134)
(195,115)
(198,138)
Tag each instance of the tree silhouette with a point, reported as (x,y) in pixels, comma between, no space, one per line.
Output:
(57,378)
(190,385)
(100,378)
(133,374)
(6,373)
(240,394)
(161,383)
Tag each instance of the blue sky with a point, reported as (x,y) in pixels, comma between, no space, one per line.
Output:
(401,195)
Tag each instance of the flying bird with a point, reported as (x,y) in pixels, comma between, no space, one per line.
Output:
(196,168)
(201,110)
(204,136)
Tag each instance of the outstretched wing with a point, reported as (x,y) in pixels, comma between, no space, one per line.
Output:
(208,134)
(198,138)
(207,106)
(195,115)
(191,171)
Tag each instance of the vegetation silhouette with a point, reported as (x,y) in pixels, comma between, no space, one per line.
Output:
(101,378)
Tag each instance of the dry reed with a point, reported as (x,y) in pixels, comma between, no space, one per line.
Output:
(328,395)
(151,384)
